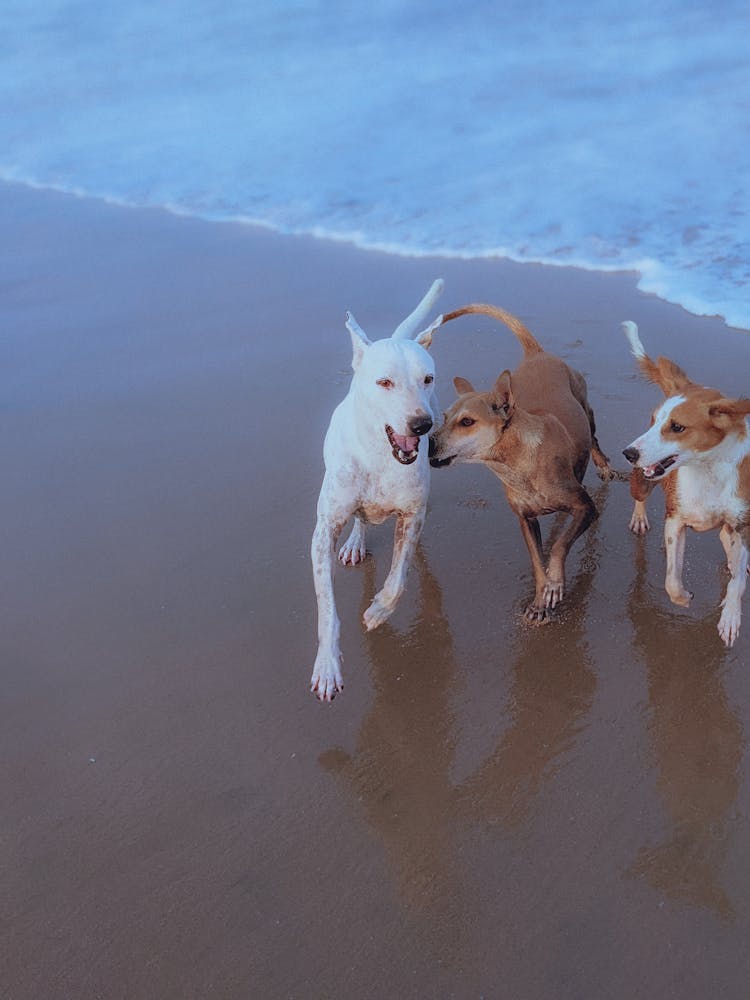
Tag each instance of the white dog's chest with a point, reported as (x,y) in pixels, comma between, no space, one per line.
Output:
(708,496)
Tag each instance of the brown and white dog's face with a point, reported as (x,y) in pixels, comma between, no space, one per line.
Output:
(472,424)
(687,427)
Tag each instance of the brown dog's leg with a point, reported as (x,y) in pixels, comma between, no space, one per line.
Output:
(532,535)
(600,460)
(583,512)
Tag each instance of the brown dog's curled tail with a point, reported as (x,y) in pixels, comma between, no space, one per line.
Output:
(527,339)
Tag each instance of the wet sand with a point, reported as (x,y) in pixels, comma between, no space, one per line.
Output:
(489,809)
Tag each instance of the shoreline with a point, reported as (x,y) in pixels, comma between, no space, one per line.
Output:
(486,802)
(353,242)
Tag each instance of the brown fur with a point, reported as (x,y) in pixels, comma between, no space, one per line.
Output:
(535,430)
(699,491)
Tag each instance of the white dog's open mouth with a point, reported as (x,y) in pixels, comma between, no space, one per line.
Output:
(405,447)
(658,469)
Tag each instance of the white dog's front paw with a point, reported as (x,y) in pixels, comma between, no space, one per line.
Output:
(729,624)
(326,680)
(379,611)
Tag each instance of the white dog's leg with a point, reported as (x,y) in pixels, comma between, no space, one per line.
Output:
(353,550)
(737,561)
(725,537)
(674,540)
(326,678)
(408,530)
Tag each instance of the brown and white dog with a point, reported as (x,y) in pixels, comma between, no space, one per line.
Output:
(535,430)
(698,448)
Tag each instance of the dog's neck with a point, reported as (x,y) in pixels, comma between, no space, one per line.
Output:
(521,435)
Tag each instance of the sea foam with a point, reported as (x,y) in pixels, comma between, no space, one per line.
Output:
(608,136)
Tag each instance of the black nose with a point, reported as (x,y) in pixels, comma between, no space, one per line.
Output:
(432,449)
(632,455)
(420,425)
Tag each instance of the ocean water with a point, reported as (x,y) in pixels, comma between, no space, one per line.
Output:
(606,135)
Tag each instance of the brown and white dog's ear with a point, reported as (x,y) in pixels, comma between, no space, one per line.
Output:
(462,385)
(670,377)
(502,400)
(360,340)
(725,412)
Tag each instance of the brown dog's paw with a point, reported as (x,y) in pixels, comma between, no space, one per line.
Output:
(554,591)
(535,614)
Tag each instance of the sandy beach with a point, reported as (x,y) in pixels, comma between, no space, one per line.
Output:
(489,809)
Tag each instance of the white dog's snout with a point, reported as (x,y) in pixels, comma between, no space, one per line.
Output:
(420,424)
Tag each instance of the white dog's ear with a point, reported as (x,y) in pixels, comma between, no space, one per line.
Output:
(425,337)
(408,328)
(360,340)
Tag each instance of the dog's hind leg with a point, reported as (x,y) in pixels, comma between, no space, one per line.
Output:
(737,561)
(600,460)
(353,550)
(326,678)
(583,512)
(408,530)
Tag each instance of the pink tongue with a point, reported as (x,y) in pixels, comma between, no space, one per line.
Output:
(649,470)
(406,444)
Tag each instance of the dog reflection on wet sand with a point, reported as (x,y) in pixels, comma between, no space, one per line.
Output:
(698,741)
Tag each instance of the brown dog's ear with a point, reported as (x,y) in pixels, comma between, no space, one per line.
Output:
(725,412)
(462,385)
(502,400)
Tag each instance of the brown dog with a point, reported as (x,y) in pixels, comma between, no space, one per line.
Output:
(535,430)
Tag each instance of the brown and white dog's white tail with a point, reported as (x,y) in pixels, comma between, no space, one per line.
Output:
(631,332)
(528,341)
(662,372)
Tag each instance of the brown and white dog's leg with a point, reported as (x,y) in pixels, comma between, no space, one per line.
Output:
(674,541)
(353,550)
(639,519)
(640,491)
(737,562)
(326,678)
(408,530)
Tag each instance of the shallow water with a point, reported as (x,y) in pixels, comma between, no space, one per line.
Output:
(611,136)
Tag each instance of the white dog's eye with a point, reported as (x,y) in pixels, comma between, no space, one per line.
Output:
(385,383)
(676,428)
(429,379)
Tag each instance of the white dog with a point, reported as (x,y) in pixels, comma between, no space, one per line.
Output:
(375,468)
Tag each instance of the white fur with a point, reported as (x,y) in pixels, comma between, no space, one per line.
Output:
(707,497)
(631,332)
(707,490)
(651,446)
(363,478)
